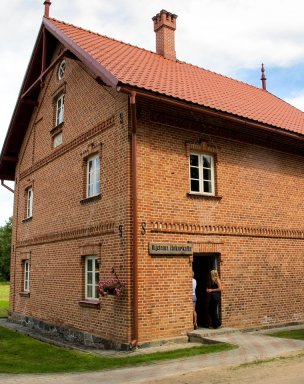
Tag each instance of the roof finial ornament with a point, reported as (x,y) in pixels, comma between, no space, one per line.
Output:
(47,5)
(263,78)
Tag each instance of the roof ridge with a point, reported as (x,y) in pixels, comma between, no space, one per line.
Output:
(105,36)
(182,62)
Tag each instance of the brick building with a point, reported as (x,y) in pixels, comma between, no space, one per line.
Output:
(134,163)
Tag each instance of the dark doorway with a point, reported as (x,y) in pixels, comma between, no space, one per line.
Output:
(203,263)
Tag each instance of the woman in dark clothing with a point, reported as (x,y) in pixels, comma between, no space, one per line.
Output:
(215,296)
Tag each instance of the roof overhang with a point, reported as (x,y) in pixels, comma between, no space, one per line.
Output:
(30,89)
(209,111)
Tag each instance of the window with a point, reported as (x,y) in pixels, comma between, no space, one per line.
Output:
(91,277)
(60,110)
(61,70)
(93,176)
(202,174)
(29,203)
(57,139)
(26,276)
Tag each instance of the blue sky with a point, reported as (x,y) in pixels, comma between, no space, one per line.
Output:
(231,37)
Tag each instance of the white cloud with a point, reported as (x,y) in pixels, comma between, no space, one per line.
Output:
(297,100)
(221,35)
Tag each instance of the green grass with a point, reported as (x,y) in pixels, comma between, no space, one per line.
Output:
(22,354)
(297,334)
(4,299)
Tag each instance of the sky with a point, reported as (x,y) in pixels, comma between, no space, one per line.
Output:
(230,37)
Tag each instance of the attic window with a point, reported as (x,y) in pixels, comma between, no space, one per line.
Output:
(61,70)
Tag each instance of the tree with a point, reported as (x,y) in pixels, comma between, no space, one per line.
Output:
(5,250)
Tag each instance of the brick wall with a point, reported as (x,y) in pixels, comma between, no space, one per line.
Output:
(64,222)
(255,222)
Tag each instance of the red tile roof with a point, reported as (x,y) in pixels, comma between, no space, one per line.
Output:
(138,67)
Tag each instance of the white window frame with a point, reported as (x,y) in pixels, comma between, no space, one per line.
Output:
(29,202)
(26,276)
(60,109)
(93,176)
(200,179)
(94,271)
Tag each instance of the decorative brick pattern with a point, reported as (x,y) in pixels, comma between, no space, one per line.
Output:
(225,230)
(77,233)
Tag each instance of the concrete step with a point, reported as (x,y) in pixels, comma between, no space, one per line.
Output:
(206,335)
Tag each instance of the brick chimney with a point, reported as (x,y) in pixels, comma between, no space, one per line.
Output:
(164,27)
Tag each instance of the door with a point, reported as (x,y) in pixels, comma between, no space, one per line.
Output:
(203,263)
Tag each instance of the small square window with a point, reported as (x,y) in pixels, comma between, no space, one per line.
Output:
(57,139)
(202,174)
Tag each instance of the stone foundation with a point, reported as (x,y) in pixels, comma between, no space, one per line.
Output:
(66,335)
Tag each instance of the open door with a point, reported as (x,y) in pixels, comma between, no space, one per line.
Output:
(203,263)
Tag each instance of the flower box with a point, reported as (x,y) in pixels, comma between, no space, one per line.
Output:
(111,287)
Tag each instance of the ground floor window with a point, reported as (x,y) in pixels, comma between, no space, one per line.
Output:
(91,277)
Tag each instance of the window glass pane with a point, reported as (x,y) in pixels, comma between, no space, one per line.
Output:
(57,140)
(90,190)
(97,164)
(194,160)
(89,278)
(194,185)
(194,173)
(98,188)
(90,166)
(207,186)
(206,161)
(96,292)
(89,291)
(89,264)
(207,174)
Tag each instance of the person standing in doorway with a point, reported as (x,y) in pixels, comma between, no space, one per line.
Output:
(194,299)
(215,296)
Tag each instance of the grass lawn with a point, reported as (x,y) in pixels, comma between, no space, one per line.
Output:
(22,354)
(4,299)
(297,334)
